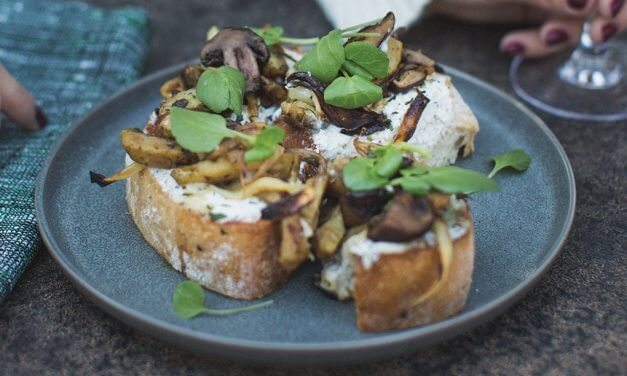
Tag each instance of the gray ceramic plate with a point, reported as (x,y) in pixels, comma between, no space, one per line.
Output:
(90,234)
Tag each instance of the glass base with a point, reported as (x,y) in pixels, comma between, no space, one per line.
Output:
(578,87)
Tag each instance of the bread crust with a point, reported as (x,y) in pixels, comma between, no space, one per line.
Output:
(236,259)
(385,292)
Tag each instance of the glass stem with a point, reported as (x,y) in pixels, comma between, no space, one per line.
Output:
(591,65)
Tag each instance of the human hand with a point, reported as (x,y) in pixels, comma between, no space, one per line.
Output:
(559,21)
(18,104)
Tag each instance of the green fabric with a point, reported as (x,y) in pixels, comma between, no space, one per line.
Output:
(70,56)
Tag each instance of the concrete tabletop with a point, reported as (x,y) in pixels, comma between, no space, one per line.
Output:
(573,322)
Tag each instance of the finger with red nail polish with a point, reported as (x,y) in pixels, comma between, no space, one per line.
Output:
(17,103)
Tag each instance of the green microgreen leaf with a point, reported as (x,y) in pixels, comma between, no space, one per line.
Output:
(354,69)
(414,171)
(410,148)
(270,35)
(388,163)
(265,144)
(201,132)
(416,185)
(359,175)
(367,57)
(383,168)
(221,89)
(325,58)
(452,179)
(516,159)
(352,92)
(187,302)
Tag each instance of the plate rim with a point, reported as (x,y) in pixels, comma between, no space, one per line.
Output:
(322,352)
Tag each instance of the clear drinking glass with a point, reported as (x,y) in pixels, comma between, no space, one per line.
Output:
(591,84)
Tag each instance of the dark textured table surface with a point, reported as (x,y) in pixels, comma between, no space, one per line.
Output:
(573,322)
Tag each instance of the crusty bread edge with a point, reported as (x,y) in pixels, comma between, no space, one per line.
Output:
(384,293)
(236,259)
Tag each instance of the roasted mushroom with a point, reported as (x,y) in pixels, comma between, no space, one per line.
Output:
(288,205)
(352,121)
(238,48)
(220,171)
(411,118)
(383,28)
(276,67)
(271,93)
(417,57)
(359,206)
(328,237)
(404,219)
(407,77)
(190,75)
(184,99)
(154,151)
(395,55)
(125,173)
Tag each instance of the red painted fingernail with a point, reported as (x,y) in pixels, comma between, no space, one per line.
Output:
(608,31)
(513,48)
(556,36)
(615,6)
(42,121)
(577,4)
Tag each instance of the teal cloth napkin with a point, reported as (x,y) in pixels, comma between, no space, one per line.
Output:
(70,56)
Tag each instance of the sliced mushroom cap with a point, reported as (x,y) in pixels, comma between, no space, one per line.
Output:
(359,206)
(410,75)
(154,151)
(238,48)
(190,75)
(271,93)
(288,205)
(352,121)
(276,65)
(404,219)
(417,57)
(383,27)
(411,118)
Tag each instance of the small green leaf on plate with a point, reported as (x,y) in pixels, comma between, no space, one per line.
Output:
(187,302)
(516,159)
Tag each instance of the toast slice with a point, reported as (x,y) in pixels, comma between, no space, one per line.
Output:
(402,285)
(243,259)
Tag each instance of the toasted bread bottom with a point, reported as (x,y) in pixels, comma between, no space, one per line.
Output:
(236,259)
(385,292)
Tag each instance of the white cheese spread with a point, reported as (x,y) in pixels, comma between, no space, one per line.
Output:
(436,131)
(201,198)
